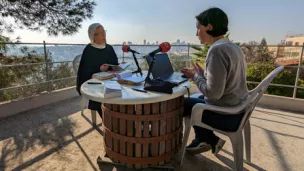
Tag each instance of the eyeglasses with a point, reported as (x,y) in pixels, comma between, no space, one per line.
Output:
(103,34)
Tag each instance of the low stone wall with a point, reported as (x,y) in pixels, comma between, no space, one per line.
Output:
(14,107)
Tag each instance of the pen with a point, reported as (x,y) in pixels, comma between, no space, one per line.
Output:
(94,83)
(144,91)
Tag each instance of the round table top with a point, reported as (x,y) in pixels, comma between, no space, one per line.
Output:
(94,92)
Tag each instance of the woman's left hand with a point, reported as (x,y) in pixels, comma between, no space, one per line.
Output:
(104,67)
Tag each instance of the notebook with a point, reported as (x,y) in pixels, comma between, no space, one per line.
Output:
(103,75)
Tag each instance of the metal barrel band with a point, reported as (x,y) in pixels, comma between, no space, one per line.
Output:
(129,117)
(142,140)
(143,160)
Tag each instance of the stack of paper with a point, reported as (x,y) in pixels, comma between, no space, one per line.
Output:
(112,89)
(127,76)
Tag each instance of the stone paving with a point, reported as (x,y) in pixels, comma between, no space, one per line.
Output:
(58,137)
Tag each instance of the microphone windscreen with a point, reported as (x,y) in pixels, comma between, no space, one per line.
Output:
(165,47)
(125,48)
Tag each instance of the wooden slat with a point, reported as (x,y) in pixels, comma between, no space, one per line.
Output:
(174,106)
(169,126)
(138,133)
(145,153)
(155,129)
(178,117)
(162,144)
(122,131)
(130,129)
(181,115)
(108,122)
(115,129)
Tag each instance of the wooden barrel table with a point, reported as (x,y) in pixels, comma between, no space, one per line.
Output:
(140,129)
(143,134)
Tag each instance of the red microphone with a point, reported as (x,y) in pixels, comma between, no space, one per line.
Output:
(126,48)
(163,47)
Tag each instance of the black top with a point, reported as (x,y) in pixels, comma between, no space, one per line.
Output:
(91,60)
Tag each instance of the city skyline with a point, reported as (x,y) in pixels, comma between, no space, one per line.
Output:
(166,21)
(145,42)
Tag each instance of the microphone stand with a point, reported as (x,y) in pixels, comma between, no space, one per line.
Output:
(148,79)
(138,68)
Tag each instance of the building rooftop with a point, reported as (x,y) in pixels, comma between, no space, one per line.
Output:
(294,35)
(58,137)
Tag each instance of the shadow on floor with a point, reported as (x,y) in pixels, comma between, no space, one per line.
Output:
(39,126)
(230,163)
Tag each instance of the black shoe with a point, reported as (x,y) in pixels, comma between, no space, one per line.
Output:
(197,147)
(218,147)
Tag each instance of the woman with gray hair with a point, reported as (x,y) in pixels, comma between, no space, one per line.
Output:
(96,57)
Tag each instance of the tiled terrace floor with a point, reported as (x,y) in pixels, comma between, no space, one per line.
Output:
(57,137)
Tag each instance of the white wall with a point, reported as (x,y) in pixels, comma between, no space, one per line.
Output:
(14,107)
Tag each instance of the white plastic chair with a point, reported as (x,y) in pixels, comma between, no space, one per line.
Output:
(236,138)
(76,62)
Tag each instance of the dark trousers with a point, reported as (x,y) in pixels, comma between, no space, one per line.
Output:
(95,106)
(215,120)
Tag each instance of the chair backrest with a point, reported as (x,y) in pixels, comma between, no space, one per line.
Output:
(257,93)
(76,62)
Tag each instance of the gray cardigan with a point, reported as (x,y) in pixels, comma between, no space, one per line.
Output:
(223,83)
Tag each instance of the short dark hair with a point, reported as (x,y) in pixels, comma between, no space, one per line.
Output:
(217,18)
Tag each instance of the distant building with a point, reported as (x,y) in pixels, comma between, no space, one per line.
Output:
(287,52)
(129,43)
(294,40)
(156,42)
(145,42)
(124,43)
(178,41)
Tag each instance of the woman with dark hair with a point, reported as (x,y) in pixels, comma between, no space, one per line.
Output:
(95,58)
(222,83)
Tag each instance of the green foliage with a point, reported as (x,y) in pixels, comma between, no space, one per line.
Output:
(257,72)
(60,16)
(31,71)
(257,52)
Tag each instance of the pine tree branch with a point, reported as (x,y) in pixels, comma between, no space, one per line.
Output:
(49,8)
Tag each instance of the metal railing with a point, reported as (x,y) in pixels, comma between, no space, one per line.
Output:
(184,51)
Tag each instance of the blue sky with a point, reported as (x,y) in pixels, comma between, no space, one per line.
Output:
(136,20)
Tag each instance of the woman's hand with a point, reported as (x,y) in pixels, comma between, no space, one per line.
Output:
(104,67)
(197,67)
(188,72)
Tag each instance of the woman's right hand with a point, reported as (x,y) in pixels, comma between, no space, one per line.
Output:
(104,67)
(188,72)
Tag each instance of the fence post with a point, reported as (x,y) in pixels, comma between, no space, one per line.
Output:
(298,74)
(188,62)
(46,67)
